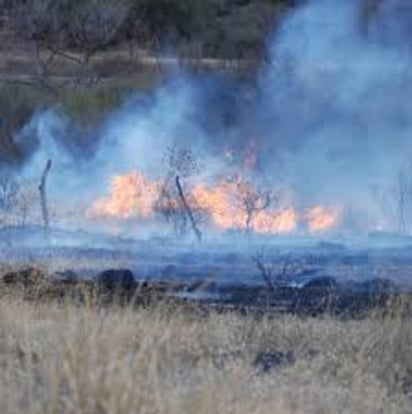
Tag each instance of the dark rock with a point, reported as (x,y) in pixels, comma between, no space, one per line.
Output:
(117,280)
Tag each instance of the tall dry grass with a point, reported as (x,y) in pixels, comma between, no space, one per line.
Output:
(67,358)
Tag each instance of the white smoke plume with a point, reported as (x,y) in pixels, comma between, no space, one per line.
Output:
(330,114)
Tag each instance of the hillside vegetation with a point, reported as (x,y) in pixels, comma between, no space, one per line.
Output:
(85,56)
(223,28)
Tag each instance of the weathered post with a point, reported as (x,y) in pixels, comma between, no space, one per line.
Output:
(43,198)
(188,210)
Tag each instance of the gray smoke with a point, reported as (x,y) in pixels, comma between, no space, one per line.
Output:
(336,97)
(330,114)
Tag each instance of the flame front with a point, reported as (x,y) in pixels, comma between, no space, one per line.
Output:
(229,204)
(321,219)
(131,195)
(277,222)
(225,203)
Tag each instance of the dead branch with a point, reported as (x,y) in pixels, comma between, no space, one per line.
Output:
(273,273)
(43,198)
(188,210)
(265,271)
(252,201)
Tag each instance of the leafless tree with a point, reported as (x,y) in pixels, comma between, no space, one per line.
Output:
(94,26)
(174,204)
(252,200)
(68,30)
(275,272)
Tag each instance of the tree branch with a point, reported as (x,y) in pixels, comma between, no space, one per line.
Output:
(188,210)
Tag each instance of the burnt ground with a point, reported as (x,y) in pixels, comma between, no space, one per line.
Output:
(292,274)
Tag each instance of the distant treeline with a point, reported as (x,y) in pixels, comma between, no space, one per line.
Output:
(73,32)
(213,28)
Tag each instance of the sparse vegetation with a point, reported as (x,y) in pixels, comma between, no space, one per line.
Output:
(18,201)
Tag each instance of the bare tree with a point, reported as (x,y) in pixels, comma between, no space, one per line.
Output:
(39,24)
(275,272)
(71,31)
(251,200)
(177,207)
(94,26)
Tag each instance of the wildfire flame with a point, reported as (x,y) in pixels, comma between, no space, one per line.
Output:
(131,195)
(227,204)
(321,219)
(230,205)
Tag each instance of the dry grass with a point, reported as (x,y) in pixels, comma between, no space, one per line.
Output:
(67,358)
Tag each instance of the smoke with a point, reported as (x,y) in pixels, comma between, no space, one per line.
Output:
(330,114)
(336,97)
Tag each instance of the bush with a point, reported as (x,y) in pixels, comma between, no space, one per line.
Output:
(221,28)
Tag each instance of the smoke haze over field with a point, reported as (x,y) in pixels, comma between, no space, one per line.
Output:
(330,118)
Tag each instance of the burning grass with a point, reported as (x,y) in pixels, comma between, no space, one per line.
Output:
(228,204)
(67,357)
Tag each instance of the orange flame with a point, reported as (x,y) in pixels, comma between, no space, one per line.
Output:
(227,201)
(321,219)
(230,205)
(130,195)
(276,222)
